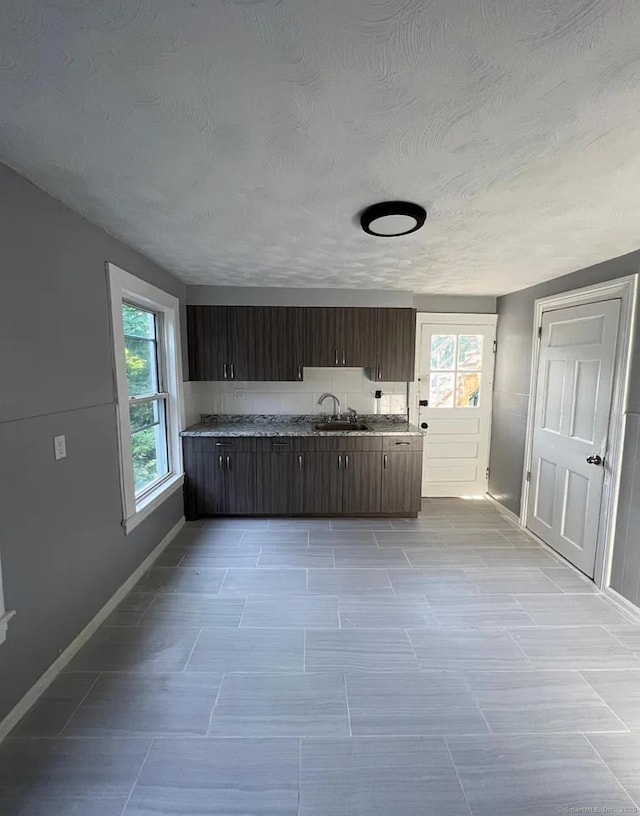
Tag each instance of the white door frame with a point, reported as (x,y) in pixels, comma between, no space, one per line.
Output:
(443,319)
(626,290)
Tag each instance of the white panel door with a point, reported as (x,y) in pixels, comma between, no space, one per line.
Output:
(571,423)
(455,384)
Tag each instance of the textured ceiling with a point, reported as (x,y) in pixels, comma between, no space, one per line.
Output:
(234,142)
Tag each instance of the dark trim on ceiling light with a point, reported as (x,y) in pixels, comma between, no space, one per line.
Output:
(386,208)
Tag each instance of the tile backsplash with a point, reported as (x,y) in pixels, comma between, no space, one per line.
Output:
(350,385)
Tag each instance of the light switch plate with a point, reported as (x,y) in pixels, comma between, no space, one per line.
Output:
(59,447)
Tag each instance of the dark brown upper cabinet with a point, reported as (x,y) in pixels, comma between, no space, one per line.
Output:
(208,342)
(321,338)
(339,337)
(276,332)
(273,343)
(395,346)
(252,343)
(359,333)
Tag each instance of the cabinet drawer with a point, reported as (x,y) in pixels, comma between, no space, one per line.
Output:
(265,444)
(341,443)
(227,444)
(402,443)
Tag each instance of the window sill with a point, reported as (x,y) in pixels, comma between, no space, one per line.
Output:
(4,623)
(152,501)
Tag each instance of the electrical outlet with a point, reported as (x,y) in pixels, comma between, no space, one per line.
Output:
(239,394)
(59,447)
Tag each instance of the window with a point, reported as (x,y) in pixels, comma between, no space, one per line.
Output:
(454,377)
(148,376)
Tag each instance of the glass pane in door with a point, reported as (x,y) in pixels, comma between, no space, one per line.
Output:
(469,352)
(443,350)
(468,390)
(441,390)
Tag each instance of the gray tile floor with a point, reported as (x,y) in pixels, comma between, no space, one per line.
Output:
(446,665)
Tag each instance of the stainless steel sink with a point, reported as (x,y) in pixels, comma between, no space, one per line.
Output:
(342,426)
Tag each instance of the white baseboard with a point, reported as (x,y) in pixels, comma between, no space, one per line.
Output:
(623,604)
(631,610)
(504,510)
(21,708)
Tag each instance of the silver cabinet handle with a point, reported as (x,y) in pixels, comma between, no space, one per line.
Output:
(224,371)
(343,358)
(300,463)
(299,372)
(403,443)
(346,462)
(384,461)
(336,352)
(339,461)
(233,375)
(228,463)
(220,463)
(379,373)
(223,444)
(280,444)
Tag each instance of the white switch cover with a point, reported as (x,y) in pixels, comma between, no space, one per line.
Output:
(59,447)
(239,394)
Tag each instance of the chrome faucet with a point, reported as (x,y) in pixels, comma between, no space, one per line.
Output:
(336,403)
(353,415)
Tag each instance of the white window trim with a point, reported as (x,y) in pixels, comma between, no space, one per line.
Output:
(124,286)
(5,617)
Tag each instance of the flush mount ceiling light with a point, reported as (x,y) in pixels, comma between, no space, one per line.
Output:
(392,218)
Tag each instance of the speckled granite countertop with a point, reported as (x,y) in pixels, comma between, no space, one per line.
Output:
(287,425)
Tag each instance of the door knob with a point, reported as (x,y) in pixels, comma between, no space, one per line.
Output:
(424,425)
(594,459)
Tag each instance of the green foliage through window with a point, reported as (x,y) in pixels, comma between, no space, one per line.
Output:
(148,421)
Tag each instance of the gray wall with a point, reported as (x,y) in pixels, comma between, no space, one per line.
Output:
(511,401)
(271,296)
(455,304)
(63,550)
(280,296)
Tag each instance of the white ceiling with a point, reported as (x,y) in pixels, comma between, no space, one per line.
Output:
(234,142)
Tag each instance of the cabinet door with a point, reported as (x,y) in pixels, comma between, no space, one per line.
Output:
(358,337)
(208,342)
(242,342)
(241,489)
(322,483)
(395,346)
(279,483)
(401,482)
(361,483)
(275,332)
(322,338)
(190,489)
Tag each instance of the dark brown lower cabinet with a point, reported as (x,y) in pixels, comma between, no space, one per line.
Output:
(204,485)
(361,482)
(279,481)
(322,491)
(240,483)
(293,476)
(218,484)
(401,482)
